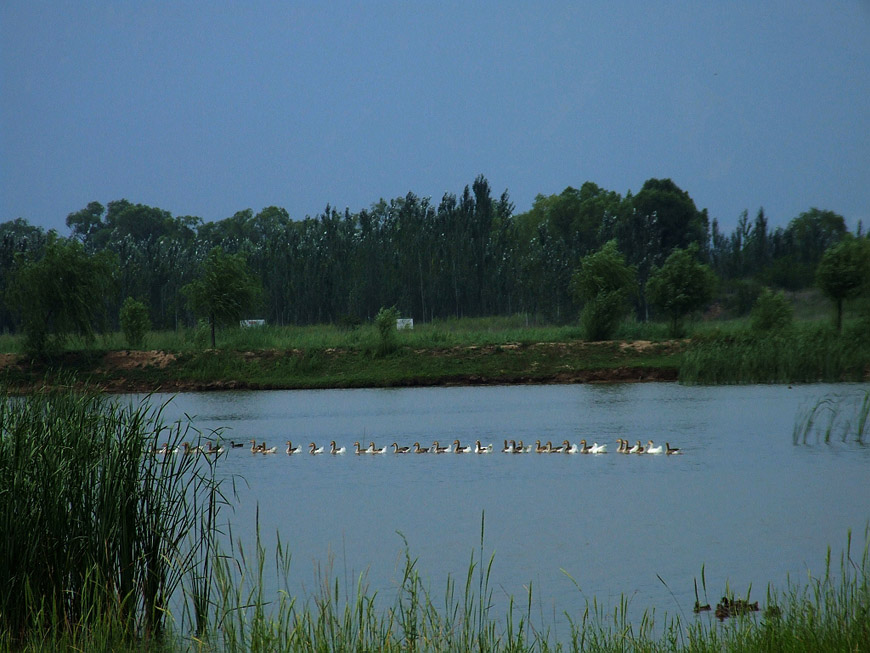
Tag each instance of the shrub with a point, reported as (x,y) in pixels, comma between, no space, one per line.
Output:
(134,322)
(385,321)
(771,312)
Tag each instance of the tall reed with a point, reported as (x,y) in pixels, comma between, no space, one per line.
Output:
(94,528)
(798,355)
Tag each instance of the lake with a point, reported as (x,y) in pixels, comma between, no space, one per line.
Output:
(742,500)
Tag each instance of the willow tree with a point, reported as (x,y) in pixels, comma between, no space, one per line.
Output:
(224,290)
(61,293)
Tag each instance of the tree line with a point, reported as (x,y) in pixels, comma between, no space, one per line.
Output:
(467,255)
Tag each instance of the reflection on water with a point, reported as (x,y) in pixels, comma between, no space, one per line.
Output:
(743,500)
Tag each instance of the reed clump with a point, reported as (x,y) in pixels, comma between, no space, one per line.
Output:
(97,534)
(798,355)
(843,418)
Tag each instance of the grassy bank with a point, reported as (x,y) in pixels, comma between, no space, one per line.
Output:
(468,351)
(458,352)
(106,546)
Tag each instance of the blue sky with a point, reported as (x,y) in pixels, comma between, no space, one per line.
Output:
(209,108)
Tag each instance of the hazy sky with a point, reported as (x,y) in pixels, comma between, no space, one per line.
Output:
(207,108)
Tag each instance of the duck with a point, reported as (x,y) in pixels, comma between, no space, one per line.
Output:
(163,449)
(672,451)
(508,448)
(439,449)
(291,449)
(598,448)
(553,449)
(374,450)
(567,447)
(479,448)
(398,449)
(213,449)
(521,448)
(358,450)
(654,450)
(314,449)
(334,450)
(539,448)
(236,445)
(189,450)
(584,448)
(255,448)
(637,448)
(623,446)
(458,448)
(419,449)
(264,450)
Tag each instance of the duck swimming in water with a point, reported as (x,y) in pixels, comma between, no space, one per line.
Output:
(671,451)
(313,449)
(436,448)
(334,450)
(479,448)
(654,450)
(598,448)
(291,450)
(458,448)
(419,449)
(398,449)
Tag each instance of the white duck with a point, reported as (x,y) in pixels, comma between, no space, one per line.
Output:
(637,448)
(479,448)
(291,449)
(598,448)
(654,450)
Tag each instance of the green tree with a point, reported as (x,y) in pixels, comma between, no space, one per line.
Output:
(680,286)
(224,290)
(771,312)
(61,293)
(604,283)
(134,322)
(844,271)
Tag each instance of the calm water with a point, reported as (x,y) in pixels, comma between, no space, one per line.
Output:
(742,500)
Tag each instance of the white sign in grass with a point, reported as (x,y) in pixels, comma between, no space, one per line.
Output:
(252,323)
(404,323)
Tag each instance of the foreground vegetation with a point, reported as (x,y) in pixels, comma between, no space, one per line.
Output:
(108,547)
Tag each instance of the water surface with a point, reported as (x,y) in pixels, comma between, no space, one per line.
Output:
(743,500)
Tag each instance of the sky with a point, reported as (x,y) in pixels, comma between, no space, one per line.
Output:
(206,109)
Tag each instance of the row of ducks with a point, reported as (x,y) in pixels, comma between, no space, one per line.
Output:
(509,447)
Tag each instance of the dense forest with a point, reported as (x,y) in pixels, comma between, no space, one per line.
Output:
(467,255)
